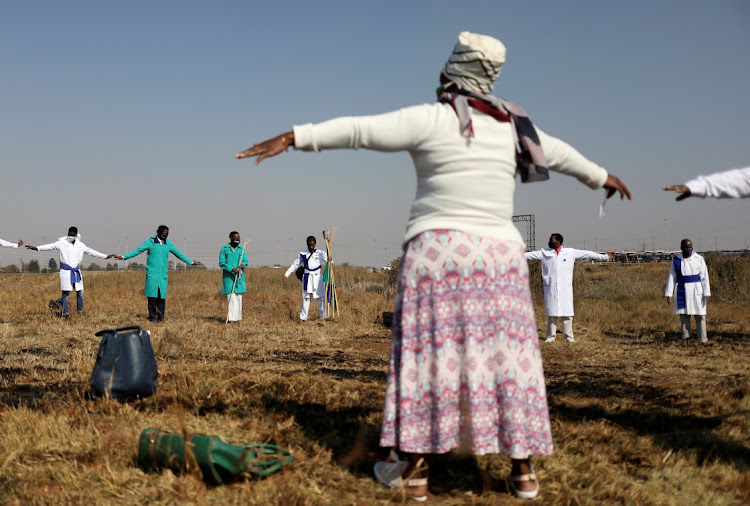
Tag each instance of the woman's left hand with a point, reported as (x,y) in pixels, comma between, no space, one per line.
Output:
(269,148)
(613,185)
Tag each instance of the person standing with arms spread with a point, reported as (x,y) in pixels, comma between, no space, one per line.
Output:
(158,249)
(313,260)
(689,286)
(232,261)
(557,276)
(71,255)
(465,369)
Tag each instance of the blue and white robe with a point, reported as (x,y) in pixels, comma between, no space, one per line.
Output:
(311,280)
(688,284)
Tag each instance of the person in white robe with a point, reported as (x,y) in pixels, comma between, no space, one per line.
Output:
(71,254)
(688,285)
(557,277)
(314,261)
(731,184)
(6,244)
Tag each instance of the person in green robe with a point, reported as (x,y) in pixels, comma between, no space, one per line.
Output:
(158,249)
(232,260)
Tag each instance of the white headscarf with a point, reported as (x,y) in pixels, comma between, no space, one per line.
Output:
(476,62)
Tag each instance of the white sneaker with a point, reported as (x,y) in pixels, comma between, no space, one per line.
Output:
(549,340)
(570,339)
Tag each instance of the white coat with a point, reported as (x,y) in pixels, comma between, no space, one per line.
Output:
(6,244)
(71,254)
(557,277)
(695,292)
(313,272)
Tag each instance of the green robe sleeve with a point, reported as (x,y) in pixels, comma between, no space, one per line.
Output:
(140,249)
(179,254)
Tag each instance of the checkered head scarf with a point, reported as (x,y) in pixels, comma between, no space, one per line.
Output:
(476,62)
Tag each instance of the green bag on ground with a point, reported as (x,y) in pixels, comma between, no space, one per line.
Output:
(218,461)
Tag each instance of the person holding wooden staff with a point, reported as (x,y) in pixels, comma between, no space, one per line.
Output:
(465,367)
(232,261)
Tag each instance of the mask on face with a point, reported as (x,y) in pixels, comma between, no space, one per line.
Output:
(552,245)
(71,239)
(687,252)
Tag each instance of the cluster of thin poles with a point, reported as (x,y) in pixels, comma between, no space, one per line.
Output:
(332,307)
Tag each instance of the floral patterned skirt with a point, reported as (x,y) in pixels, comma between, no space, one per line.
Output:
(465,368)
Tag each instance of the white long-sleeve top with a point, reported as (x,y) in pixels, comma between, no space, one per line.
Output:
(557,276)
(71,254)
(6,244)
(723,185)
(462,184)
(313,269)
(695,291)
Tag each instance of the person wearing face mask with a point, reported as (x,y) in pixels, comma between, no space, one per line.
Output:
(557,276)
(314,261)
(71,254)
(688,285)
(232,260)
(158,248)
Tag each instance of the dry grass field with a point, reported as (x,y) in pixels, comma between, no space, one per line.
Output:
(637,417)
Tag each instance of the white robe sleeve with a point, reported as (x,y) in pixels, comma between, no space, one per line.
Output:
(93,252)
(49,247)
(730,184)
(292,267)
(533,255)
(592,255)
(6,244)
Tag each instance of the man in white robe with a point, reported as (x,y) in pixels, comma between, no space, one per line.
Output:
(688,285)
(557,277)
(314,261)
(71,254)
(731,184)
(6,244)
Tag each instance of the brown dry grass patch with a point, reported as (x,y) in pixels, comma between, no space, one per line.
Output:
(637,418)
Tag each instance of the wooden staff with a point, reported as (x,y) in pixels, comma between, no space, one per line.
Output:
(234,285)
(332,302)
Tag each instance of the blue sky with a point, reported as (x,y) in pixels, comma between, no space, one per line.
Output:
(117,117)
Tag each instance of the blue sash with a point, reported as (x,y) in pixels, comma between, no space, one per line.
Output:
(75,273)
(681,280)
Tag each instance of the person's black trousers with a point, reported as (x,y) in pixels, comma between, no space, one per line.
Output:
(156,306)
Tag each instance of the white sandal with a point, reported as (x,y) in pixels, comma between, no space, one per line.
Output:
(524,494)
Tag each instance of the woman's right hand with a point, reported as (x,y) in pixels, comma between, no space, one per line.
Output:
(269,148)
